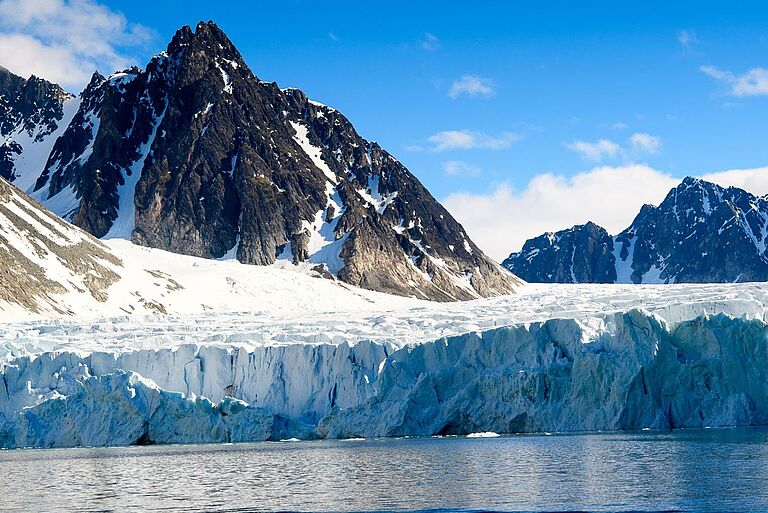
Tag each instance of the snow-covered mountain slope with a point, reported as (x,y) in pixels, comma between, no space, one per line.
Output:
(53,269)
(33,114)
(701,232)
(196,155)
(49,266)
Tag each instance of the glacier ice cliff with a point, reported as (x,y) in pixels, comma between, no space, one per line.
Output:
(622,371)
(124,408)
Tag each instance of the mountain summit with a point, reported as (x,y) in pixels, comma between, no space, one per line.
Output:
(701,232)
(33,113)
(194,154)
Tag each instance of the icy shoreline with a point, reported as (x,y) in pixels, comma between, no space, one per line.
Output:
(622,371)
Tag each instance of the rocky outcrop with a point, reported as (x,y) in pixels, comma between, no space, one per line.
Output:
(700,233)
(196,155)
(43,257)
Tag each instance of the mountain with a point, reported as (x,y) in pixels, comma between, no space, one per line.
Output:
(700,233)
(196,155)
(580,254)
(33,113)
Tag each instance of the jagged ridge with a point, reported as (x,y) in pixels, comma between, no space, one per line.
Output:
(700,233)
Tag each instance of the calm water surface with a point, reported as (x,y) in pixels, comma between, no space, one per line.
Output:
(707,470)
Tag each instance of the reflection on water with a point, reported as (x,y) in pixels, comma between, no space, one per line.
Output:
(710,470)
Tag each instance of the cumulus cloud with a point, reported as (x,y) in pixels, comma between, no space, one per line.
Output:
(66,40)
(753,82)
(643,142)
(502,219)
(460,168)
(471,140)
(752,180)
(430,42)
(595,151)
(472,85)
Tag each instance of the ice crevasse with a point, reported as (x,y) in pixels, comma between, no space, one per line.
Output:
(621,371)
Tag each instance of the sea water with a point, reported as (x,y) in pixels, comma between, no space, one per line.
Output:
(696,470)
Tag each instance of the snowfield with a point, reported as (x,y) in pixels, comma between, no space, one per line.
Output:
(231,352)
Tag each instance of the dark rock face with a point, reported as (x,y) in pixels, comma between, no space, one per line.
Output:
(196,155)
(700,233)
(31,112)
(582,254)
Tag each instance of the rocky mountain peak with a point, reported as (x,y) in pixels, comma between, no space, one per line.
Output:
(206,35)
(196,155)
(692,181)
(196,52)
(94,86)
(27,102)
(694,193)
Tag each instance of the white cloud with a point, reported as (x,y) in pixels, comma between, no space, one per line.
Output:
(470,140)
(472,85)
(596,151)
(333,37)
(65,40)
(753,82)
(642,142)
(460,168)
(752,180)
(501,220)
(430,42)
(605,149)
(687,38)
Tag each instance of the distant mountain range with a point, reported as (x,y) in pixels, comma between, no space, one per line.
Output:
(701,232)
(194,154)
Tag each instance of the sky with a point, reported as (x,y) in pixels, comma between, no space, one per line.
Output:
(521,117)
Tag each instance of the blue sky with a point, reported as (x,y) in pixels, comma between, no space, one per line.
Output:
(559,74)
(486,102)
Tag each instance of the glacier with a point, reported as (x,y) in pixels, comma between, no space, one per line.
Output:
(621,370)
